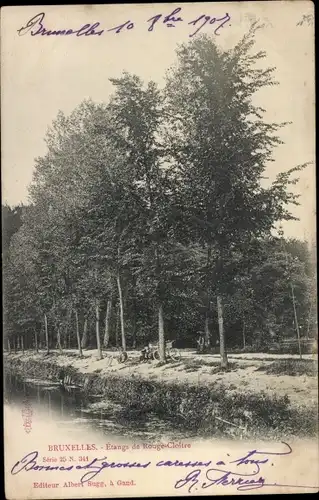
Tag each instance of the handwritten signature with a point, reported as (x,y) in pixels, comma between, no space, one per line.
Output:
(35,26)
(231,475)
(243,472)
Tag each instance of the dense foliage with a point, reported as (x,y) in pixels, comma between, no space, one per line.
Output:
(149,220)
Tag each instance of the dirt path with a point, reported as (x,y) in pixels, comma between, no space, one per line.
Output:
(245,376)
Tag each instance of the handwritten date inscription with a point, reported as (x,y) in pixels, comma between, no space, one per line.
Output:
(36,25)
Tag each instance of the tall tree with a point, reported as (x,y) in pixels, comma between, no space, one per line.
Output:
(220,146)
(137,120)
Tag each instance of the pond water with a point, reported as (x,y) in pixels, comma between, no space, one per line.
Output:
(71,409)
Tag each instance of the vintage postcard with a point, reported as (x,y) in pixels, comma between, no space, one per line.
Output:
(159,250)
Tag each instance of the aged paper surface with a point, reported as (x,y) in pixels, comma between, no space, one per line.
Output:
(159,279)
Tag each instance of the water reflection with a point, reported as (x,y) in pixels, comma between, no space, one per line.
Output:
(70,406)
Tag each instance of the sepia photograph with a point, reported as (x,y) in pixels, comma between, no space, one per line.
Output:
(159,249)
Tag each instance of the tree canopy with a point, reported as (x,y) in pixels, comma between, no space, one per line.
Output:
(148,215)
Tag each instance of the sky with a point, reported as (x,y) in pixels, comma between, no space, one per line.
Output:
(41,75)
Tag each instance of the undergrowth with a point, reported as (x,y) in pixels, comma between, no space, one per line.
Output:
(204,410)
(290,367)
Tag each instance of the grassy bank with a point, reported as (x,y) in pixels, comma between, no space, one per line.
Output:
(203,409)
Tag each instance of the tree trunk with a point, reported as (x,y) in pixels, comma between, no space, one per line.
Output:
(46,333)
(117,326)
(161,331)
(59,345)
(309,318)
(66,330)
(134,326)
(107,323)
(36,341)
(18,343)
(78,333)
(296,319)
(134,312)
(121,311)
(207,330)
(9,346)
(22,344)
(244,337)
(161,334)
(98,340)
(85,334)
(15,345)
(222,345)
(207,318)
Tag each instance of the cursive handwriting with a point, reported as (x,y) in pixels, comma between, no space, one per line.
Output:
(92,469)
(243,472)
(35,26)
(250,457)
(169,20)
(235,475)
(220,22)
(221,477)
(178,463)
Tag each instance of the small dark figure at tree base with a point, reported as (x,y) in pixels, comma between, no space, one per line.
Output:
(145,354)
(61,377)
(201,343)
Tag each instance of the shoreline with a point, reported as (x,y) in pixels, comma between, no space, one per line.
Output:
(274,375)
(188,401)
